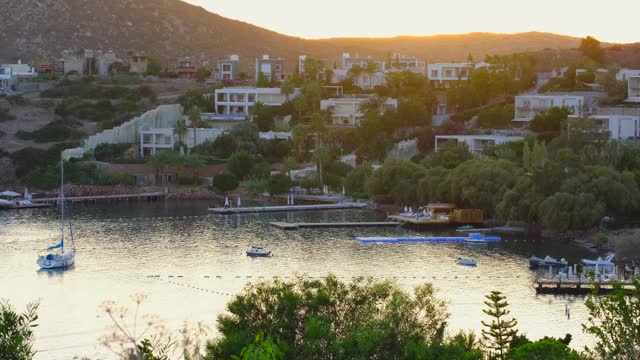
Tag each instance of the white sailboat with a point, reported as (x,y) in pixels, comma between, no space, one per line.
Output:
(59,259)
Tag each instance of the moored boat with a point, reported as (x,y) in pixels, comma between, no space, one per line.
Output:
(258,251)
(61,259)
(466,261)
(535,262)
(606,262)
(475,238)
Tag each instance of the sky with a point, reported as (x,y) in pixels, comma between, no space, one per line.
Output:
(609,21)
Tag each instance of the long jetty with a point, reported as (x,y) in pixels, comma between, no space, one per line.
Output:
(577,285)
(321,225)
(257,209)
(153,195)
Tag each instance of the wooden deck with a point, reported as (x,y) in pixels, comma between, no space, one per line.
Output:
(257,209)
(578,285)
(419,220)
(330,225)
(103,197)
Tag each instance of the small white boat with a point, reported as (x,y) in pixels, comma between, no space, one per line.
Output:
(258,251)
(606,262)
(61,259)
(466,261)
(475,238)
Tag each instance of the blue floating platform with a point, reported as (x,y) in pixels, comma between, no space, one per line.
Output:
(430,239)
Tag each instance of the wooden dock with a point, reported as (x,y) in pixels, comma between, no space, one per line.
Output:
(576,285)
(330,225)
(257,209)
(153,195)
(419,220)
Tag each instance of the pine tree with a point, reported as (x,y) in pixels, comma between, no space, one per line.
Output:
(498,333)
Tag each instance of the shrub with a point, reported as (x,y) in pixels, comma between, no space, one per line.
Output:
(52,132)
(225,182)
(279,184)
(241,164)
(110,152)
(5,115)
(17,100)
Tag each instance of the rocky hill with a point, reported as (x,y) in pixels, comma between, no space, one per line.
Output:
(172,28)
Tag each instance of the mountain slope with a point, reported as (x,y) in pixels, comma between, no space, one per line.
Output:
(172,28)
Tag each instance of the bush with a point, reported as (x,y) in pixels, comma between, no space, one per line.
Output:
(17,100)
(5,115)
(279,184)
(110,152)
(256,186)
(52,132)
(497,116)
(241,164)
(114,178)
(225,182)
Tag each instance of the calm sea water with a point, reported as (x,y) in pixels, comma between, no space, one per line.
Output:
(200,261)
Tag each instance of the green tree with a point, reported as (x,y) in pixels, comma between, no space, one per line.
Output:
(321,156)
(195,119)
(196,163)
(279,184)
(591,48)
(547,349)
(299,136)
(614,321)
(526,157)
(16,331)
(287,88)
(180,129)
(498,334)
(261,349)
(154,65)
(225,181)
(290,163)
(202,74)
(241,164)
(550,121)
(356,180)
(263,81)
(328,319)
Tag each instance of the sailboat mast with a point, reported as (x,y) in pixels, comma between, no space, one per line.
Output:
(62,200)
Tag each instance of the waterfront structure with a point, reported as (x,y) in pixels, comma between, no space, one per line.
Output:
(153,140)
(347,111)
(633,84)
(528,106)
(228,69)
(443,75)
(272,69)
(476,143)
(240,100)
(11,74)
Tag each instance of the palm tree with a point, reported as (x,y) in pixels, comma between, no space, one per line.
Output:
(287,88)
(299,135)
(195,162)
(355,72)
(371,69)
(321,156)
(180,130)
(318,127)
(195,118)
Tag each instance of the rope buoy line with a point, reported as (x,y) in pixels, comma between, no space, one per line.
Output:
(307,276)
(197,288)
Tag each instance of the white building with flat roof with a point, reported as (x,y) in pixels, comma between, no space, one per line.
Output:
(228,69)
(620,127)
(528,106)
(625,74)
(633,84)
(442,75)
(476,143)
(271,68)
(347,111)
(154,140)
(240,100)
(400,62)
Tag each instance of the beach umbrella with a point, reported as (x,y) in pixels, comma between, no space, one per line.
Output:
(406,209)
(569,272)
(26,193)
(550,271)
(238,200)
(344,193)
(596,268)
(291,199)
(410,209)
(226,201)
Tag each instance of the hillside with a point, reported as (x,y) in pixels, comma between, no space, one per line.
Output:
(172,28)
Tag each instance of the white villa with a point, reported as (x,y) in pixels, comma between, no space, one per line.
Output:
(528,106)
(154,140)
(347,111)
(619,126)
(240,100)
(633,84)
(228,69)
(442,75)
(476,143)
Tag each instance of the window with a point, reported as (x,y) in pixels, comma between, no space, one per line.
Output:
(434,73)
(278,67)
(226,67)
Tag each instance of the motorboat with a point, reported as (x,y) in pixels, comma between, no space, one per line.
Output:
(258,251)
(53,259)
(535,262)
(606,262)
(475,238)
(466,261)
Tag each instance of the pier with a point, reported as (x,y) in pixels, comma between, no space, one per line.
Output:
(430,239)
(577,285)
(150,196)
(258,209)
(330,225)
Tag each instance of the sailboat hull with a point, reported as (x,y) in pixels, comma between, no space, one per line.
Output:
(55,261)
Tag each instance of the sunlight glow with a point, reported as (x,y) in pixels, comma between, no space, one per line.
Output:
(609,21)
